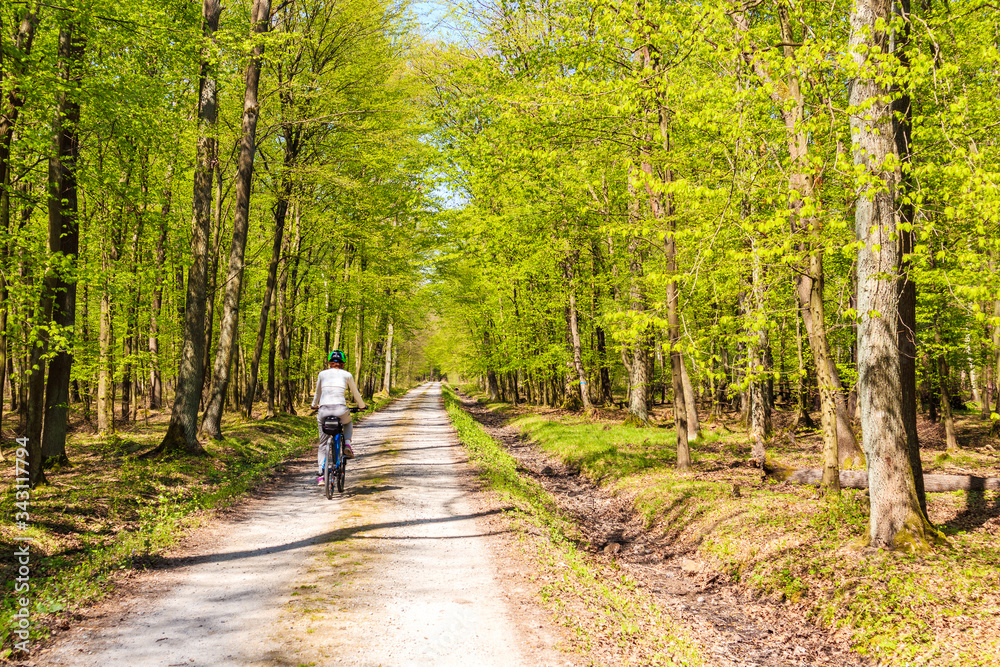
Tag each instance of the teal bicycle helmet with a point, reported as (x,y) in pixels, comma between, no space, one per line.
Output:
(337,356)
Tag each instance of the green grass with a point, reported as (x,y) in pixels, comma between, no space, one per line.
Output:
(604,451)
(941,608)
(598,605)
(110,511)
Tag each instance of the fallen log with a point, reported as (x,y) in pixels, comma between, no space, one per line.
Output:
(858,479)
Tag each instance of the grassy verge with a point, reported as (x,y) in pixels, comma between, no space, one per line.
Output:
(110,512)
(601,605)
(781,541)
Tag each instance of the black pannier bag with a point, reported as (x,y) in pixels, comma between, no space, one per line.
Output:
(331,425)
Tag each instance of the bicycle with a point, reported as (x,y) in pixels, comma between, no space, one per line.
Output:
(334,467)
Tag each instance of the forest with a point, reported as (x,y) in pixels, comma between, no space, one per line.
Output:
(785,213)
(782,210)
(198,203)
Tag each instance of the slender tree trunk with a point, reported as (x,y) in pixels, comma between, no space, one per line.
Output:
(129,375)
(996,369)
(760,407)
(387,379)
(604,395)
(694,423)
(661,206)
(897,518)
(359,339)
(491,376)
(825,378)
(574,334)
(36,388)
(802,418)
(286,302)
(272,277)
(212,288)
(3,349)
(677,362)
(272,410)
(182,432)
(638,365)
(155,376)
(951,441)
(673,313)
(105,338)
(10,105)
(211,425)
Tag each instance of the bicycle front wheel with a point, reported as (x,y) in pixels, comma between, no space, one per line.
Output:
(340,476)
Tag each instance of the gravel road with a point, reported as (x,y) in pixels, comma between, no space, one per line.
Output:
(397,571)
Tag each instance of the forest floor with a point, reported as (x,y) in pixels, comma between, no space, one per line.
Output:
(769,573)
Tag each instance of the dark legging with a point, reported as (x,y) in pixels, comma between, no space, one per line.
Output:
(325,411)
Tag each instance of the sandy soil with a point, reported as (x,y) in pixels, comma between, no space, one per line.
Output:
(407,567)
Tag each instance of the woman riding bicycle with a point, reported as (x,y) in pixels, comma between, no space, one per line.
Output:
(331,389)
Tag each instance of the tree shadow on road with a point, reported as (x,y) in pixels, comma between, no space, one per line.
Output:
(333,536)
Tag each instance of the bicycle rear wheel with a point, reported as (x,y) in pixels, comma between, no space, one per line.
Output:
(328,473)
(340,476)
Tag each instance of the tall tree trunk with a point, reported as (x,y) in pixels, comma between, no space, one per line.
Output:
(906,326)
(286,301)
(825,379)
(760,407)
(105,339)
(211,425)
(574,334)
(897,518)
(182,432)
(36,386)
(275,332)
(604,395)
(996,369)
(491,376)
(673,310)
(64,241)
(3,346)
(802,418)
(676,361)
(129,376)
(212,282)
(155,376)
(638,366)
(694,423)
(941,362)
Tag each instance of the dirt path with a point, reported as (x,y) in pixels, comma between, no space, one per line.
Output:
(397,571)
